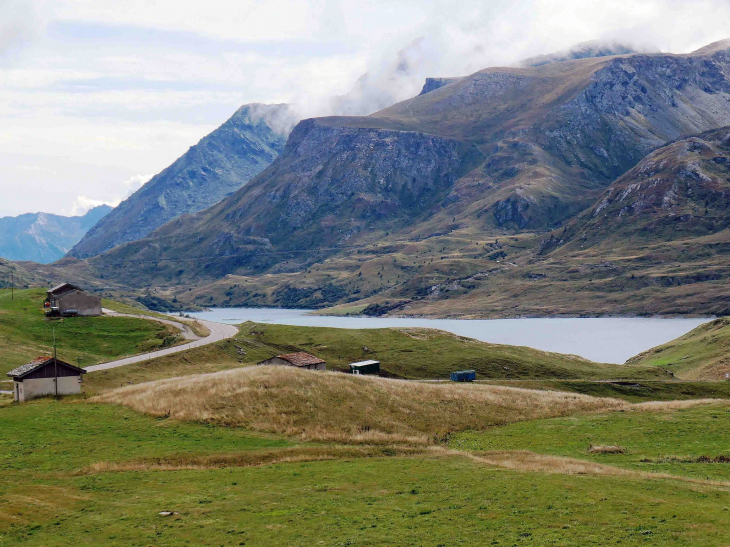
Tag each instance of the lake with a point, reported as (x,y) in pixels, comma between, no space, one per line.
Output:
(605,340)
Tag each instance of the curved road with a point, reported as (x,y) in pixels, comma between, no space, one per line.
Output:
(218,332)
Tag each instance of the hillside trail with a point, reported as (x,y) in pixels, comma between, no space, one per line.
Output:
(218,332)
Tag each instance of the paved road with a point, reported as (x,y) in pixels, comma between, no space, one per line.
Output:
(186,331)
(218,332)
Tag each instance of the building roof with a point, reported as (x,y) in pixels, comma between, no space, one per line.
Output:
(62,288)
(364,363)
(301,359)
(38,362)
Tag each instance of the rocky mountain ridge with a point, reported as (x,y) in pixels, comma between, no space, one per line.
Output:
(221,163)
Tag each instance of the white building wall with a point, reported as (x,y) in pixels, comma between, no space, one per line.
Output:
(38,387)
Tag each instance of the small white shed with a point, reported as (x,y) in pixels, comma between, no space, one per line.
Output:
(365,367)
(45,376)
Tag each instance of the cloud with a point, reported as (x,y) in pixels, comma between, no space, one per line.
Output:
(20,22)
(82,204)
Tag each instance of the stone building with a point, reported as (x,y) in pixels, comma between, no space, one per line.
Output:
(67,300)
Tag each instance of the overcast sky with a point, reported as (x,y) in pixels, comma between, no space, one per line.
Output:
(98,95)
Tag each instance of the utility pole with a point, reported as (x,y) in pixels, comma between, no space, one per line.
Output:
(55,362)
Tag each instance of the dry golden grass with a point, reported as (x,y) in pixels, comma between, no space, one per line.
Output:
(523,460)
(339,407)
(530,462)
(252,458)
(661,406)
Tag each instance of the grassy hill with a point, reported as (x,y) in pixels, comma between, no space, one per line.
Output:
(703,354)
(434,354)
(331,406)
(26,334)
(419,354)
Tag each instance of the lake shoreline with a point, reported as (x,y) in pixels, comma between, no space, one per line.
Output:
(599,339)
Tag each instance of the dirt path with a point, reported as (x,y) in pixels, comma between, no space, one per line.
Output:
(218,332)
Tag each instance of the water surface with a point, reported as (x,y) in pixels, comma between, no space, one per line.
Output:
(605,340)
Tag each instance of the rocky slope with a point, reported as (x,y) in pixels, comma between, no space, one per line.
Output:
(217,166)
(43,237)
(680,190)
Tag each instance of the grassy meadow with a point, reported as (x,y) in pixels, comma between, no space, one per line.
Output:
(338,407)
(25,333)
(663,438)
(104,477)
(434,354)
(545,450)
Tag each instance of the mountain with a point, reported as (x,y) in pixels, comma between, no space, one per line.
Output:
(432,84)
(656,242)
(466,201)
(584,50)
(43,237)
(680,190)
(221,163)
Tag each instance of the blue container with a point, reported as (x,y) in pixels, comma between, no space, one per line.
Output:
(464,376)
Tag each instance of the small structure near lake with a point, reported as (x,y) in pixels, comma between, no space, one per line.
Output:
(365,367)
(300,360)
(464,376)
(67,300)
(45,376)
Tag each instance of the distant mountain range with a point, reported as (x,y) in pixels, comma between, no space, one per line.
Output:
(566,186)
(43,237)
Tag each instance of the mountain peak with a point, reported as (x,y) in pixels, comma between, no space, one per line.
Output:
(221,163)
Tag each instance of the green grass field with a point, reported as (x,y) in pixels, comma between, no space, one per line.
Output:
(428,355)
(51,494)
(668,441)
(26,334)
(634,391)
(432,354)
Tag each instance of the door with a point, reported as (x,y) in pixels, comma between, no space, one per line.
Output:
(17,392)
